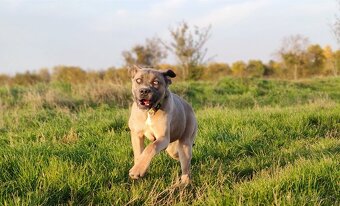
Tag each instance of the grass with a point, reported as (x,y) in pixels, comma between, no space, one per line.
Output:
(257,145)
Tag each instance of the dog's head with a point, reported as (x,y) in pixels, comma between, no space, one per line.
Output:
(149,86)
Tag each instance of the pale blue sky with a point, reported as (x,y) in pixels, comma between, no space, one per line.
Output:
(93,33)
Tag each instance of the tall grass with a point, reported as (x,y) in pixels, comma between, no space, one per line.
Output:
(227,92)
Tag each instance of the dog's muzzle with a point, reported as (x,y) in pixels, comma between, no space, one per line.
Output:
(144,98)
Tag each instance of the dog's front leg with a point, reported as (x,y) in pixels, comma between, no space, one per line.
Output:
(140,167)
(137,140)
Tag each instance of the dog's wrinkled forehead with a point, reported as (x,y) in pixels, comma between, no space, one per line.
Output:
(149,75)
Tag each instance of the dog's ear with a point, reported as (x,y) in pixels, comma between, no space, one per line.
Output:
(168,74)
(133,69)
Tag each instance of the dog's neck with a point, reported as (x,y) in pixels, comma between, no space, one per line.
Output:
(158,104)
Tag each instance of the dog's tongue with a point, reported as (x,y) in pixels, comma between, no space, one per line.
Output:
(146,102)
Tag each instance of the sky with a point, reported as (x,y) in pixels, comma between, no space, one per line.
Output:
(92,34)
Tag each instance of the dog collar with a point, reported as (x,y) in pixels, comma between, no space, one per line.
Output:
(153,110)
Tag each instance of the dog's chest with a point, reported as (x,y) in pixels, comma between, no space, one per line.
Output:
(148,121)
(148,128)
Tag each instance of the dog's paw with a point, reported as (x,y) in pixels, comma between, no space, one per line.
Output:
(182,182)
(185,180)
(137,171)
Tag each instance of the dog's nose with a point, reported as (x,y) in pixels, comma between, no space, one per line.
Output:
(144,91)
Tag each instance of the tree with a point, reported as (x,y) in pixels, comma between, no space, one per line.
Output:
(150,55)
(316,59)
(336,69)
(273,68)
(239,68)
(331,61)
(188,45)
(293,54)
(335,27)
(255,68)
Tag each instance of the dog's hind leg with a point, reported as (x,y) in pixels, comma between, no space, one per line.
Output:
(185,154)
(172,150)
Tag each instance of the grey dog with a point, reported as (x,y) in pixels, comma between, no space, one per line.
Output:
(164,118)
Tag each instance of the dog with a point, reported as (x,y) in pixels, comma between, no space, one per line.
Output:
(164,118)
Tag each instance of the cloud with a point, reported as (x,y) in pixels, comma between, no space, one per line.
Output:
(165,8)
(121,13)
(147,17)
(12,4)
(316,7)
(231,13)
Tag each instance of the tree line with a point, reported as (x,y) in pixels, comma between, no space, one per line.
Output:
(296,58)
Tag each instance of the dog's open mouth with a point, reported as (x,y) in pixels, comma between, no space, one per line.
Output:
(145,102)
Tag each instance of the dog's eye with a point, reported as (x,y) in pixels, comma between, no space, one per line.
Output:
(155,82)
(139,80)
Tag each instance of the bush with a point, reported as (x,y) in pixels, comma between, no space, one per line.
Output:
(69,74)
(4,79)
(215,71)
(118,76)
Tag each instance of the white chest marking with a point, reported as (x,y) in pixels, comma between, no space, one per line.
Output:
(148,132)
(148,120)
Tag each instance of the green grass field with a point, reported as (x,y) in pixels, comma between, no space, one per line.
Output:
(260,142)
